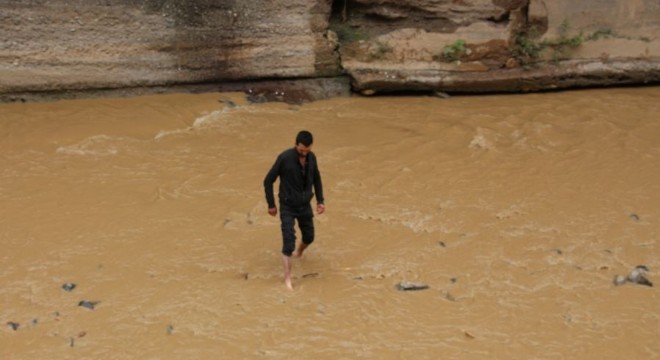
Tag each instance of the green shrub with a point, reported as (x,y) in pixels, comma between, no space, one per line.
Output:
(601,33)
(562,46)
(528,50)
(454,51)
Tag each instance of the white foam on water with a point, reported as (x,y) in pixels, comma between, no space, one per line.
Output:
(214,119)
(211,119)
(98,145)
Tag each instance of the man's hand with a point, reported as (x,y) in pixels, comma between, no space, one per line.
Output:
(272,211)
(320,208)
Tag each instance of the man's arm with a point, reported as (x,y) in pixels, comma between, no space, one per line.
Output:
(318,190)
(269,180)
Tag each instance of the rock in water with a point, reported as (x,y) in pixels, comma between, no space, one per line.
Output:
(88,304)
(636,276)
(644,281)
(228,103)
(69,287)
(410,286)
(619,280)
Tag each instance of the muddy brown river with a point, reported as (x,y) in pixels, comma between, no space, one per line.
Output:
(517,211)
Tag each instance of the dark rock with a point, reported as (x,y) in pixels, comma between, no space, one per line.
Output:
(636,276)
(88,304)
(228,103)
(410,286)
(13,325)
(69,287)
(259,98)
(619,280)
(642,280)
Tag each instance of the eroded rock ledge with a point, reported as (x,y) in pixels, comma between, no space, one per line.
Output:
(498,46)
(75,48)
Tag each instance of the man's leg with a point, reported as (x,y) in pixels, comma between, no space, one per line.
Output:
(288,243)
(287,271)
(306,223)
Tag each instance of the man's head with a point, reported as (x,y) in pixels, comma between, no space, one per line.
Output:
(304,141)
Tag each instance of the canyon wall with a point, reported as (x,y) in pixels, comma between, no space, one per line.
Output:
(79,45)
(52,47)
(500,45)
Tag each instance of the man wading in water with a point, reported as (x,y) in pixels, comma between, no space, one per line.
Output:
(298,172)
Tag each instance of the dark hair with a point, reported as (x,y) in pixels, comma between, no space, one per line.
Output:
(305,137)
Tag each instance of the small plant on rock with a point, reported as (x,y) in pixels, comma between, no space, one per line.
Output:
(454,51)
(564,44)
(528,50)
(601,33)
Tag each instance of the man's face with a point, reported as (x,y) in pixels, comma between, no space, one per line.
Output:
(303,150)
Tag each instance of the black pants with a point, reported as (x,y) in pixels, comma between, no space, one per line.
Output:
(288,216)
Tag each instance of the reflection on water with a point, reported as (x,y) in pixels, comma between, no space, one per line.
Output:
(517,211)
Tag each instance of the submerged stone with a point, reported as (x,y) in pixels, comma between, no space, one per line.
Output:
(88,304)
(69,287)
(619,280)
(636,276)
(410,286)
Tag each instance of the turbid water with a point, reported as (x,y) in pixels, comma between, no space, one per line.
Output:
(517,212)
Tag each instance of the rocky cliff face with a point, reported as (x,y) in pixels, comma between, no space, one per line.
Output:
(91,44)
(53,46)
(499,45)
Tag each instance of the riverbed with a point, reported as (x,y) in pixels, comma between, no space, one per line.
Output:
(517,212)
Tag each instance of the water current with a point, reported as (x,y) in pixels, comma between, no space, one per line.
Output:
(517,211)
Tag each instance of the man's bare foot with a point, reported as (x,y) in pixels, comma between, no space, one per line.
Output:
(299,251)
(286,260)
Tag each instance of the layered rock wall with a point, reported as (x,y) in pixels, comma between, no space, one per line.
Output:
(54,46)
(500,45)
(88,44)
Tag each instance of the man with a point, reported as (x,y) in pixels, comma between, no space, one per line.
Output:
(298,173)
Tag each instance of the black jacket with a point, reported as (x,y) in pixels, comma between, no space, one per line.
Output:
(295,185)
